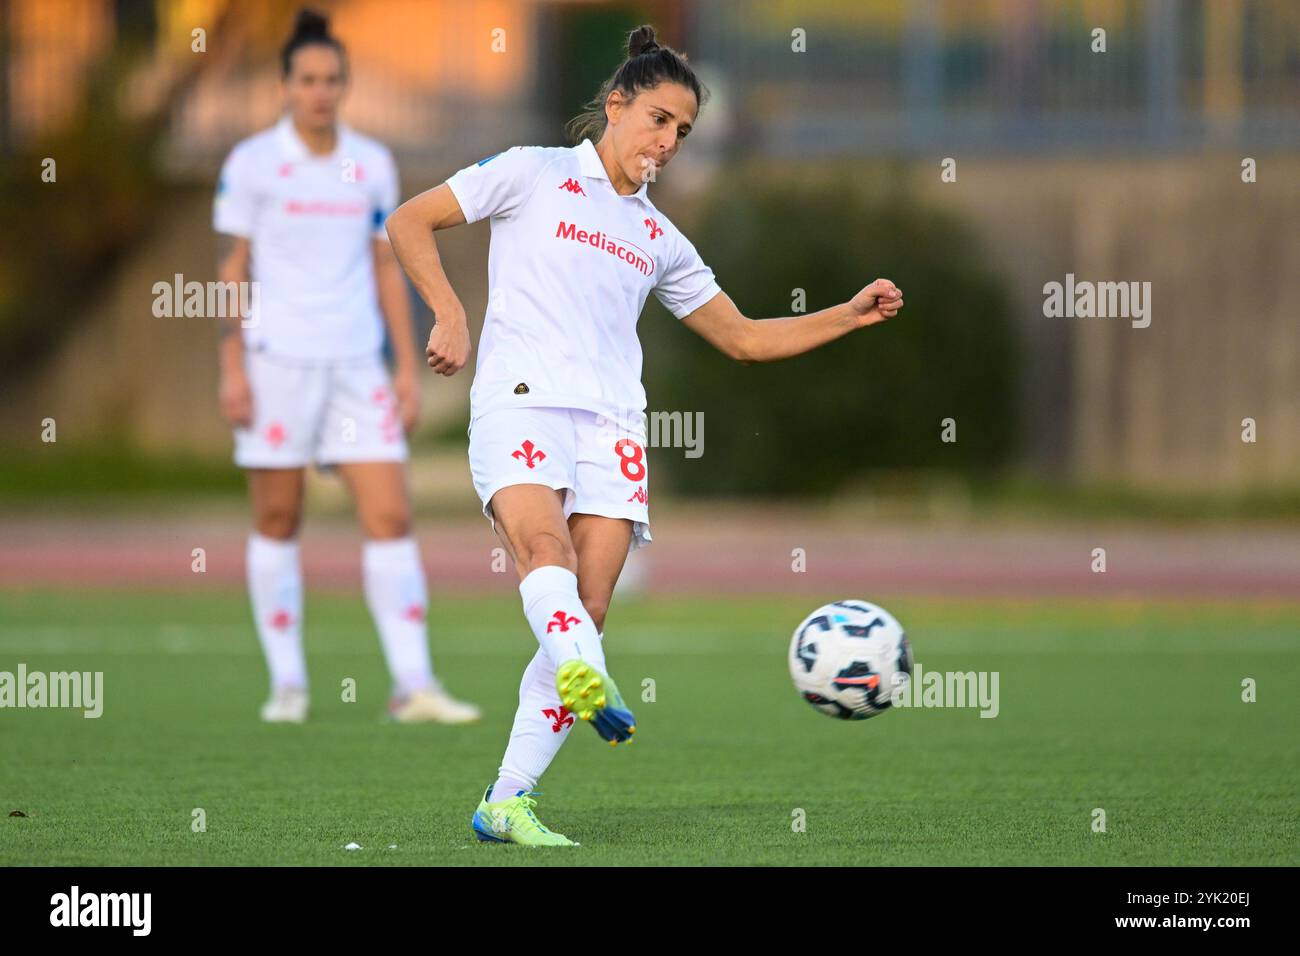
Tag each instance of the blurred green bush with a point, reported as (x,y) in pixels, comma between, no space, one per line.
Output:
(870,402)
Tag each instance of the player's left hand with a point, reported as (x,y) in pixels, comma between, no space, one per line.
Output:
(406,386)
(879,301)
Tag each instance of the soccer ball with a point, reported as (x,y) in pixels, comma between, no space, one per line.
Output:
(847,658)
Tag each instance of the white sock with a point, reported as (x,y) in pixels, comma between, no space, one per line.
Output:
(275,591)
(540,728)
(395,591)
(559,621)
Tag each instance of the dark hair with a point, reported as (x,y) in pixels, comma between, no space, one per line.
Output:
(310,28)
(647,65)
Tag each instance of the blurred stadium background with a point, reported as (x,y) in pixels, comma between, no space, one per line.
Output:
(815,171)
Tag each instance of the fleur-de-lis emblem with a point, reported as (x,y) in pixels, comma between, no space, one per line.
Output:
(529,454)
(562,621)
(561,719)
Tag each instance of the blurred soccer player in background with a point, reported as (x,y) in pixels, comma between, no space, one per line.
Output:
(300,210)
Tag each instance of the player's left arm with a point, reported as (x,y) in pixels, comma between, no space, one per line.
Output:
(395,305)
(747,340)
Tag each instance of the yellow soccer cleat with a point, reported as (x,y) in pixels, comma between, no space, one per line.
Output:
(592,695)
(512,821)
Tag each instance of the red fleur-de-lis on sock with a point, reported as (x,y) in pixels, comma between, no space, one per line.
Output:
(562,621)
(562,719)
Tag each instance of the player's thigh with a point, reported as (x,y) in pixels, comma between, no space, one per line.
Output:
(521,461)
(289,401)
(602,547)
(361,421)
(379,491)
(276,495)
(529,519)
(612,474)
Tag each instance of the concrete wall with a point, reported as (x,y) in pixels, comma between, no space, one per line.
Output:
(1160,405)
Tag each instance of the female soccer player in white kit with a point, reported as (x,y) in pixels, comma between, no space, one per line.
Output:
(557,439)
(300,209)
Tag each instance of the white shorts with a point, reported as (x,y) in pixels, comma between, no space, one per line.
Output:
(322,413)
(599,464)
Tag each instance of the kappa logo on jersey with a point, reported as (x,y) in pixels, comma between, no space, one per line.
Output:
(562,719)
(653,226)
(620,249)
(640,496)
(572,186)
(562,621)
(275,435)
(529,454)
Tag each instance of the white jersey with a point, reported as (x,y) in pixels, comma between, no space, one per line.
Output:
(570,266)
(311,221)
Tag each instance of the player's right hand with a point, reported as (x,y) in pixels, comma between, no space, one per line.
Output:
(448,348)
(877,302)
(235,397)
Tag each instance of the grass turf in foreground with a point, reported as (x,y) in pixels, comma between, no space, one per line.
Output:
(1133,708)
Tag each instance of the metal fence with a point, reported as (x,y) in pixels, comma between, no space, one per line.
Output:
(1009,75)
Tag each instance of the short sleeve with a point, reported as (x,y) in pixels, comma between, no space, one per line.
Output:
(385,195)
(687,283)
(498,185)
(234,210)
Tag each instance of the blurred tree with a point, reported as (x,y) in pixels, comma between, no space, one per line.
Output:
(872,401)
(63,238)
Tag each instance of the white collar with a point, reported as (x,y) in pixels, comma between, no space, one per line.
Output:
(590,164)
(293,149)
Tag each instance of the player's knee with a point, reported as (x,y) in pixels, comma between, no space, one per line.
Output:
(545,548)
(388,523)
(279,522)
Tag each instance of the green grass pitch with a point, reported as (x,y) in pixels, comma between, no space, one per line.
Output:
(1134,708)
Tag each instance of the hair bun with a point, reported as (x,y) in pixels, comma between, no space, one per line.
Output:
(311,23)
(642,40)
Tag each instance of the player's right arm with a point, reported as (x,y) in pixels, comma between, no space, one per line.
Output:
(234,215)
(497,186)
(410,230)
(234,394)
